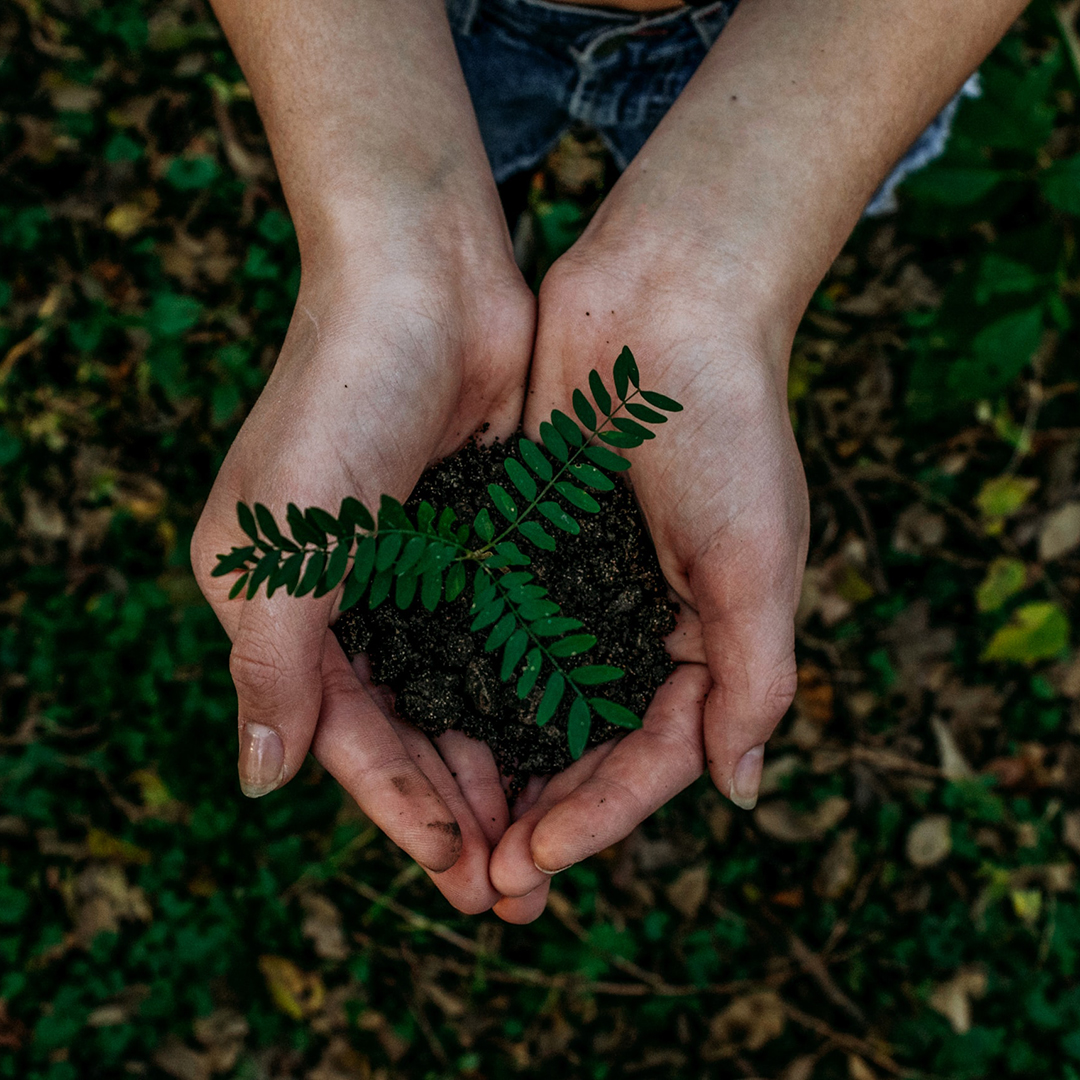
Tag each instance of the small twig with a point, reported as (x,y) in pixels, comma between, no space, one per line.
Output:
(1065,13)
(851,1043)
(890,762)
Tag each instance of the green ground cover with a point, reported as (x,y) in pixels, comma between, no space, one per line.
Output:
(904,900)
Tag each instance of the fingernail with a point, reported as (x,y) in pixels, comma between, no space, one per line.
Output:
(747,779)
(552,873)
(262,760)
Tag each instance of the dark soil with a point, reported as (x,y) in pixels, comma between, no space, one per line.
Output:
(607,576)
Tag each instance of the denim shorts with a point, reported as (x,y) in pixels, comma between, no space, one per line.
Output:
(534,68)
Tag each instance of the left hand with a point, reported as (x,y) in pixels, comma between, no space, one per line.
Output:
(724,497)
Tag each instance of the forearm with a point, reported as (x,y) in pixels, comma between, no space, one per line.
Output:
(370,123)
(761,169)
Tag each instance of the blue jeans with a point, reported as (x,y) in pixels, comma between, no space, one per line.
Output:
(534,67)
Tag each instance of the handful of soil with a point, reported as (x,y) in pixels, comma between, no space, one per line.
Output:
(607,576)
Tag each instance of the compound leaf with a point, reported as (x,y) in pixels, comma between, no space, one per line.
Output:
(411,555)
(488,614)
(622,439)
(643,412)
(270,529)
(660,401)
(389,549)
(335,567)
(484,526)
(537,609)
(262,571)
(513,555)
(353,590)
(555,443)
(324,522)
(445,528)
(238,586)
(431,588)
(303,531)
(247,521)
(355,514)
(595,674)
(555,626)
(380,588)
(316,564)
(233,561)
(632,427)
(392,514)
(626,357)
(589,474)
(600,455)
(500,632)
(405,590)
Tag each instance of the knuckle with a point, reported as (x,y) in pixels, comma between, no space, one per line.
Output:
(257,670)
(781,690)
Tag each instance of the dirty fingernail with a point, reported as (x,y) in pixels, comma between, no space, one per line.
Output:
(262,760)
(747,779)
(552,873)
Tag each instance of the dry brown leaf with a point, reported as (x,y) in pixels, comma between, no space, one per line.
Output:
(954,766)
(952,999)
(929,841)
(323,928)
(340,1062)
(918,530)
(748,1023)
(180,1061)
(1060,532)
(222,1032)
(781,821)
(814,697)
(688,891)
(102,898)
(838,868)
(776,771)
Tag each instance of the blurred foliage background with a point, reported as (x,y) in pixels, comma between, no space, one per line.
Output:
(902,903)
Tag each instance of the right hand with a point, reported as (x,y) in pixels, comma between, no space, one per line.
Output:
(380,374)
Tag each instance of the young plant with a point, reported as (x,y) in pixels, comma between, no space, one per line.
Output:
(430,557)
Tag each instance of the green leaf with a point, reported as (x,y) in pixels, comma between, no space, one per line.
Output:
(603,457)
(405,590)
(389,548)
(574,495)
(316,564)
(599,392)
(1000,274)
(484,591)
(952,185)
(286,575)
(584,410)
(1001,496)
(533,456)
(555,443)
(380,588)
(392,514)
(622,439)
(303,531)
(455,581)
(503,502)
(537,534)
(483,525)
(355,514)
(527,679)
(622,379)
(431,589)
(500,632)
(1037,631)
(614,713)
(577,728)
(567,428)
(233,561)
(553,693)
(520,478)
(364,561)
(660,401)
(559,517)
(588,474)
(411,555)
(425,516)
(267,565)
(191,174)
(247,521)
(595,674)
(335,568)
(632,427)
(537,609)
(643,412)
(514,651)
(513,555)
(1000,351)
(1060,184)
(573,645)
(488,614)
(323,521)
(555,626)
(1004,579)
(627,357)
(353,589)
(238,586)
(445,528)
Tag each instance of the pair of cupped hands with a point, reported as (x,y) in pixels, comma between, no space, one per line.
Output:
(384,371)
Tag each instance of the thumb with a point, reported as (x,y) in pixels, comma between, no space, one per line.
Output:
(276,665)
(748,628)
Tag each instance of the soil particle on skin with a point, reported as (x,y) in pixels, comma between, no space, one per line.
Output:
(607,576)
